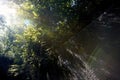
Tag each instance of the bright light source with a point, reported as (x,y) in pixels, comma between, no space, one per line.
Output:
(8,12)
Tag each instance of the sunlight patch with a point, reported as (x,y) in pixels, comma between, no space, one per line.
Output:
(8,11)
(27,22)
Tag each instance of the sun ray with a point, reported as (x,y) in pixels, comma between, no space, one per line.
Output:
(8,11)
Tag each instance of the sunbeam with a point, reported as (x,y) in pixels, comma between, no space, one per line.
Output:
(8,10)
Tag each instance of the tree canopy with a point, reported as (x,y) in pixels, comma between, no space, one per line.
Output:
(41,37)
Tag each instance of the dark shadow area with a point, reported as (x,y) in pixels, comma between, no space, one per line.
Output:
(5,62)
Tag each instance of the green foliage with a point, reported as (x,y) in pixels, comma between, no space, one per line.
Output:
(31,34)
(53,22)
(1,47)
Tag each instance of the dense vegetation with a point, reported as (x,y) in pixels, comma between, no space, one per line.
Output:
(37,48)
